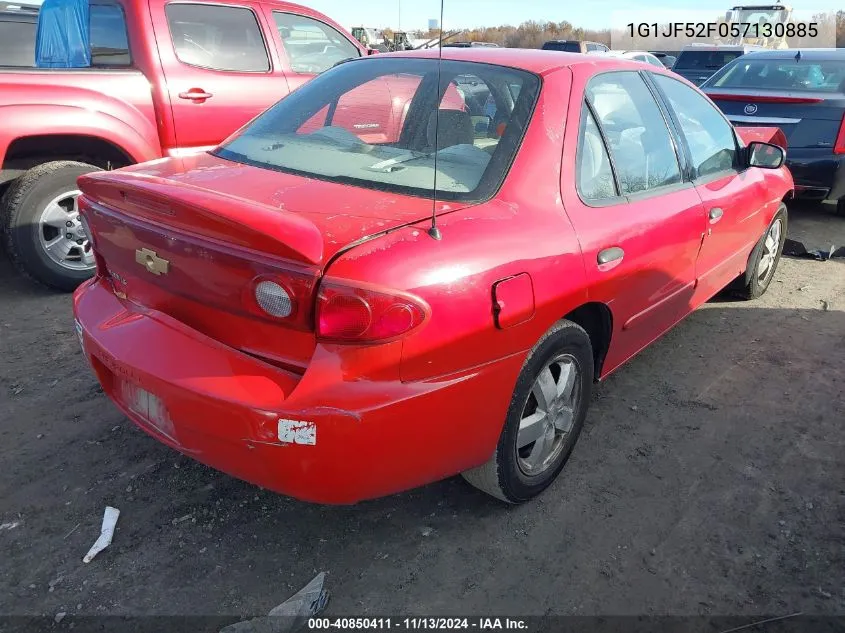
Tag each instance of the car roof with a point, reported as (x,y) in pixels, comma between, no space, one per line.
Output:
(806,53)
(531,59)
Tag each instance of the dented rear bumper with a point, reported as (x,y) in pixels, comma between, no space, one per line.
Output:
(328,436)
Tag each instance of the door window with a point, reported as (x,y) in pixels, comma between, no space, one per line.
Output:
(710,137)
(312,46)
(217,37)
(594,175)
(109,43)
(639,139)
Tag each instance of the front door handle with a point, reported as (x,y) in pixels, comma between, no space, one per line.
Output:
(197,95)
(608,255)
(715,215)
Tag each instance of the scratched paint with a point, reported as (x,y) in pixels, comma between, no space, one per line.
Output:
(297,432)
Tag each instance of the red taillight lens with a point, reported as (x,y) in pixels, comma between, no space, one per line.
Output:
(360,314)
(839,145)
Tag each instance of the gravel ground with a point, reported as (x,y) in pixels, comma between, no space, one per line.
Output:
(710,479)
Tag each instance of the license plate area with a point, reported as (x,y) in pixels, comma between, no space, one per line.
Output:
(148,407)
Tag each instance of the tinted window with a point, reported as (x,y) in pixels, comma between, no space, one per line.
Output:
(222,38)
(783,74)
(109,43)
(634,127)
(347,125)
(311,45)
(705,60)
(709,136)
(593,172)
(566,47)
(17,43)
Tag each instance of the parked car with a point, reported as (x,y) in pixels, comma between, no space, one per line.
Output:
(336,319)
(637,56)
(802,92)
(698,63)
(193,74)
(573,46)
(17,34)
(667,59)
(471,44)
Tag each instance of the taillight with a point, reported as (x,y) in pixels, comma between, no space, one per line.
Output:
(362,314)
(839,145)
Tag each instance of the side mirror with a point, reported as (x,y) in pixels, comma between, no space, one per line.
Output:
(765,155)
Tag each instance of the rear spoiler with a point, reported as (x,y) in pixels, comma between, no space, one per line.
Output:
(772,135)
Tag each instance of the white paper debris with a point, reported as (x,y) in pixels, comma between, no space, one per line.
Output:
(106,534)
(297,432)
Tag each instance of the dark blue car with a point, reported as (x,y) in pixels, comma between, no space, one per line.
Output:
(803,93)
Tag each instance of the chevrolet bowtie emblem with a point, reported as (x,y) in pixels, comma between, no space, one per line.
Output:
(152,262)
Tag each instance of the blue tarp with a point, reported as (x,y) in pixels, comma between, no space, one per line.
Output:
(62,40)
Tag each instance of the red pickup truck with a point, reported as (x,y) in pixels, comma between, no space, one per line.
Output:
(167,78)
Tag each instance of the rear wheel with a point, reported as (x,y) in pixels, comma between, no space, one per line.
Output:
(544,419)
(43,232)
(765,258)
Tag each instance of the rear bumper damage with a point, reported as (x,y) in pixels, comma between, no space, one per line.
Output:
(327,436)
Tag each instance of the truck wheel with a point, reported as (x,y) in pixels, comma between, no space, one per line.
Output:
(544,419)
(42,230)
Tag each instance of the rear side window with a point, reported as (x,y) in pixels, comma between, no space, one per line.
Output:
(217,37)
(783,74)
(312,46)
(709,136)
(636,131)
(18,43)
(109,42)
(594,175)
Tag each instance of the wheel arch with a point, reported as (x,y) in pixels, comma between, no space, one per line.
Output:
(597,320)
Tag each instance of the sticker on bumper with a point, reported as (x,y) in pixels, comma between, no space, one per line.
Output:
(297,432)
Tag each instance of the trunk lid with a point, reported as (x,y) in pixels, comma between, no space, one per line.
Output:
(807,119)
(191,237)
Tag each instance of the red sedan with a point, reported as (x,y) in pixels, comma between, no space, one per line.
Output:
(347,299)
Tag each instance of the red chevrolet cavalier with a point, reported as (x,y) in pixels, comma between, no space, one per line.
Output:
(410,269)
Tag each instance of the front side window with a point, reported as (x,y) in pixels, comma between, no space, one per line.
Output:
(312,46)
(109,43)
(217,37)
(636,131)
(593,173)
(380,124)
(710,137)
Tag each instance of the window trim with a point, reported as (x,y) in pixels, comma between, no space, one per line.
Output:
(119,6)
(258,23)
(307,17)
(694,175)
(645,193)
(582,126)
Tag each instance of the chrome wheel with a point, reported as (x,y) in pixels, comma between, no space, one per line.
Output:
(771,245)
(548,415)
(62,235)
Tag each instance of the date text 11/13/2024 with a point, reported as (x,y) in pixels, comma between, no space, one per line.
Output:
(418,623)
(723,29)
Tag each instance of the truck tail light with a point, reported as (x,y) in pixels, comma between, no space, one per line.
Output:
(349,313)
(839,145)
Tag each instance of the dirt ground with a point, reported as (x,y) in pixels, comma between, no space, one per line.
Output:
(710,479)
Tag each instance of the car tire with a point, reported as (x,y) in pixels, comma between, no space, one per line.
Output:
(766,254)
(519,471)
(26,233)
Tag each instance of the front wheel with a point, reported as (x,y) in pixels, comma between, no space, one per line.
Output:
(544,419)
(43,233)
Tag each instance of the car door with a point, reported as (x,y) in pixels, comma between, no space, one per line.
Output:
(733,196)
(220,73)
(309,46)
(638,221)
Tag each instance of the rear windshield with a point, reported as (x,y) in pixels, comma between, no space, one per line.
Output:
(566,47)
(705,60)
(17,43)
(381,123)
(784,74)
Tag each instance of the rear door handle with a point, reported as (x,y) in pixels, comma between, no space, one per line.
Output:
(195,94)
(608,255)
(715,215)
